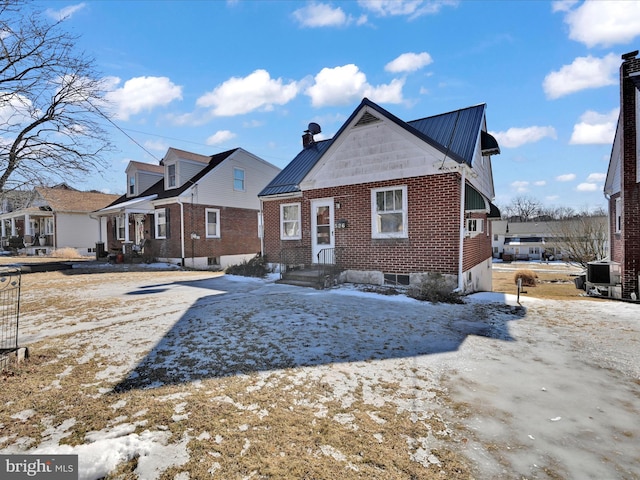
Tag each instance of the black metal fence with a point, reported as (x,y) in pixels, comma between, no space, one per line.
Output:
(9,313)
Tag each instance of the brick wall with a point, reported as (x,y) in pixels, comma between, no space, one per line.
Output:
(433,225)
(630,188)
(238,234)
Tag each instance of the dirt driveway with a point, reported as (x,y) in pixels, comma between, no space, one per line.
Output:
(178,375)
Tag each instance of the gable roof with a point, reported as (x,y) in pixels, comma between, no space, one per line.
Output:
(454,133)
(74,201)
(157,190)
(146,167)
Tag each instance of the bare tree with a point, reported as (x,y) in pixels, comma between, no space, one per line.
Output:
(524,208)
(50,99)
(582,239)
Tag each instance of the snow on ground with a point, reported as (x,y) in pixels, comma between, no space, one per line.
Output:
(547,384)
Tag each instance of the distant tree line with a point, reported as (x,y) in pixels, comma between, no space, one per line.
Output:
(529,209)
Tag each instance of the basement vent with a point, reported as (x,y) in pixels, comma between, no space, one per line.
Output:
(366,119)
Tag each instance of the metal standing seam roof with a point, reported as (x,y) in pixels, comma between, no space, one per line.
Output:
(454,133)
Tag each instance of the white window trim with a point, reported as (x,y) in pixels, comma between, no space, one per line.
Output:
(405,213)
(206,222)
(299,220)
(132,187)
(156,216)
(120,225)
(175,176)
(618,219)
(244,180)
(475,226)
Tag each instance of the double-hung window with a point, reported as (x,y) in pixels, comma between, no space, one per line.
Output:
(290,221)
(120,226)
(389,212)
(475,226)
(171,176)
(132,185)
(238,179)
(161,223)
(618,215)
(212,219)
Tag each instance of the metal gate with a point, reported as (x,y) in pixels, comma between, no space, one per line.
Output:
(9,313)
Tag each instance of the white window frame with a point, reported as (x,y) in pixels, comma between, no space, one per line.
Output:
(209,234)
(120,227)
(171,179)
(160,213)
(375,227)
(475,226)
(618,226)
(236,179)
(132,185)
(298,220)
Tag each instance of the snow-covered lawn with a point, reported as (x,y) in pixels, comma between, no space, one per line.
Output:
(190,375)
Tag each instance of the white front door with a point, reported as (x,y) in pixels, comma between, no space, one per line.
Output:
(322,240)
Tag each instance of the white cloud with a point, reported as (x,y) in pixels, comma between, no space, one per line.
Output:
(520,186)
(604,23)
(316,15)
(583,73)
(596,177)
(515,137)
(64,13)
(562,5)
(142,93)
(540,183)
(587,187)
(567,177)
(409,62)
(595,128)
(410,8)
(157,145)
(346,84)
(256,91)
(220,136)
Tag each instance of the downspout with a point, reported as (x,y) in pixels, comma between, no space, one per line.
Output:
(181,229)
(462,228)
(261,226)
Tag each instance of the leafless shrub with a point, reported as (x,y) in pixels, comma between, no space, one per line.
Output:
(529,278)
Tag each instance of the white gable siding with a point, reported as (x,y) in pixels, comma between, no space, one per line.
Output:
(375,152)
(185,170)
(216,188)
(482,175)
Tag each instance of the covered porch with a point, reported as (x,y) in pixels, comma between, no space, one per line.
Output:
(30,231)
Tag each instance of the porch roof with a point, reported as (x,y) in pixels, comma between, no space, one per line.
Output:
(135,205)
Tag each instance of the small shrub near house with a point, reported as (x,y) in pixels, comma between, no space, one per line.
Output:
(434,288)
(529,278)
(256,267)
(66,253)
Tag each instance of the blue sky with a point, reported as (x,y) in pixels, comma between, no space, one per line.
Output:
(208,76)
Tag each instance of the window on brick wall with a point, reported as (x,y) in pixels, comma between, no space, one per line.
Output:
(161,223)
(389,212)
(212,219)
(290,221)
(618,215)
(120,224)
(475,226)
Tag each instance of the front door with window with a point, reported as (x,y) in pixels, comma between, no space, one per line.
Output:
(322,235)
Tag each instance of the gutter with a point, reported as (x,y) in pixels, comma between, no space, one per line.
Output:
(463,182)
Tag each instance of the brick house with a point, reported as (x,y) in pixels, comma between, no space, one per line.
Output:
(388,201)
(622,186)
(194,210)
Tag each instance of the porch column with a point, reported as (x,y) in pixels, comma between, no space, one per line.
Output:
(27,224)
(4,228)
(126,228)
(13,227)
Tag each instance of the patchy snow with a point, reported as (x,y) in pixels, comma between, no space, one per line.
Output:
(538,391)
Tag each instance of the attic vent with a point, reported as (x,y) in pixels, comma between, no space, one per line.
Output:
(366,119)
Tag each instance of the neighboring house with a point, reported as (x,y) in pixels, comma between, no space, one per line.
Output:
(194,210)
(388,201)
(622,186)
(539,240)
(54,218)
